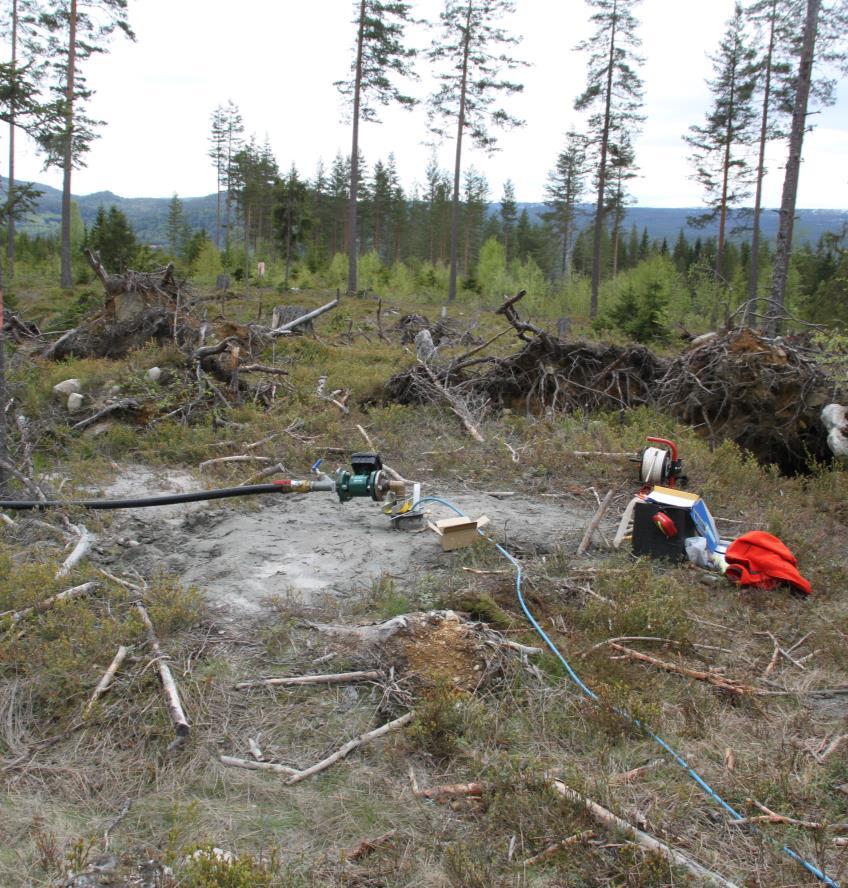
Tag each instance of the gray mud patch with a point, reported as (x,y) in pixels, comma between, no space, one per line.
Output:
(304,546)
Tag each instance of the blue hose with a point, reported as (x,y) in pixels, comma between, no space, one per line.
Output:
(587,691)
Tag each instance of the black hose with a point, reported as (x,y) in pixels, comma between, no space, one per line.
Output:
(144,502)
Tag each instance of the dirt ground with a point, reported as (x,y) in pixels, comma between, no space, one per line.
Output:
(244,552)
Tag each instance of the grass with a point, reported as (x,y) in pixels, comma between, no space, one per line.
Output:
(75,774)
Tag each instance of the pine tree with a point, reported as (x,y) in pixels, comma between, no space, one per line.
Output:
(563,192)
(232,136)
(78,29)
(614,87)
(469,50)
(380,57)
(509,214)
(822,41)
(721,145)
(475,197)
(218,155)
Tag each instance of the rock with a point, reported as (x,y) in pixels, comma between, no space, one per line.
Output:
(67,387)
(153,374)
(75,401)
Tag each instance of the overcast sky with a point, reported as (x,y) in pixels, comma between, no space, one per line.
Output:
(278,60)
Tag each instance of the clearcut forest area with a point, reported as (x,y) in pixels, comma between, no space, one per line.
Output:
(359,532)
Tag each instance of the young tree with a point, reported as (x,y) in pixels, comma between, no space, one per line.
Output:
(113,238)
(379,59)
(476,193)
(469,46)
(291,218)
(721,145)
(77,30)
(622,167)
(176,227)
(563,192)
(828,22)
(509,214)
(615,89)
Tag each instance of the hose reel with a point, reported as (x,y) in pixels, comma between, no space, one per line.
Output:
(661,465)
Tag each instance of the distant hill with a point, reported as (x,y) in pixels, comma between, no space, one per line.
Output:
(666,222)
(149,215)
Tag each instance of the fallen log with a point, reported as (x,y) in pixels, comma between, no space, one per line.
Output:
(448,791)
(286,328)
(726,684)
(293,681)
(169,686)
(345,750)
(48,603)
(613,821)
(108,676)
(248,765)
(129,405)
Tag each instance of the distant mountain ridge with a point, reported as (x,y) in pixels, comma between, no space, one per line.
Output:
(149,215)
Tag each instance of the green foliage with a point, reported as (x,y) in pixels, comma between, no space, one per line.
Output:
(112,237)
(206,867)
(642,308)
(491,269)
(438,724)
(207,265)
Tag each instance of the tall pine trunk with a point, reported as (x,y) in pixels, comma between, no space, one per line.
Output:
(793,169)
(460,126)
(67,279)
(602,175)
(754,267)
(10,185)
(352,255)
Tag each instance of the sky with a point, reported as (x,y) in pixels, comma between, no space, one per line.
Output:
(278,61)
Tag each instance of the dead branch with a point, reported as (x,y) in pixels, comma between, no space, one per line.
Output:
(593,524)
(612,821)
(726,684)
(79,552)
(276,469)
(769,816)
(345,750)
(29,484)
(250,765)
(108,675)
(243,458)
(551,850)
(459,407)
(293,681)
(509,312)
(169,686)
(633,773)
(368,846)
(263,368)
(286,328)
(49,603)
(124,405)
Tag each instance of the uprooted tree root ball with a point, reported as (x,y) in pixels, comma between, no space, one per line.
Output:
(764,395)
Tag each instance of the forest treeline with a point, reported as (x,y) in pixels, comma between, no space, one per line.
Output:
(775,64)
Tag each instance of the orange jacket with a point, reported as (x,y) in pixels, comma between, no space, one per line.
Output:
(760,559)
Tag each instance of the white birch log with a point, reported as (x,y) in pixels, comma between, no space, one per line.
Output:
(79,552)
(108,676)
(48,603)
(169,686)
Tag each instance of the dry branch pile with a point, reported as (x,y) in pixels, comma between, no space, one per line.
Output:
(765,395)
